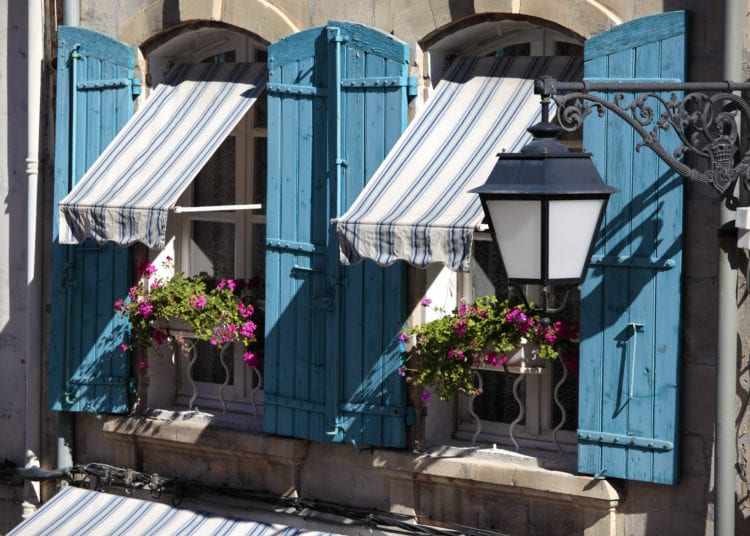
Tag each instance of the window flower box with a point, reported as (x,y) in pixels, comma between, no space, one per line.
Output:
(487,334)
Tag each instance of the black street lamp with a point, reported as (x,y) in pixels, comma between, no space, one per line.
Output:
(544,206)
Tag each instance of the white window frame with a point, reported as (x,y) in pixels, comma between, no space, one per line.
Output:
(243,396)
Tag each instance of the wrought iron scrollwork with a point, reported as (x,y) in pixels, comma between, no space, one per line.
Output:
(705,125)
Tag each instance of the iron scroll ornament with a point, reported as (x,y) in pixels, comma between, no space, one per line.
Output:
(705,124)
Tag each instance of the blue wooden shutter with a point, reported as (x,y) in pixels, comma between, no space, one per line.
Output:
(87,369)
(630,302)
(337,103)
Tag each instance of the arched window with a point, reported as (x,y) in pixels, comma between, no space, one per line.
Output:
(496,406)
(226,243)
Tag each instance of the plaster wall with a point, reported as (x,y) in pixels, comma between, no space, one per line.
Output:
(644,508)
(13,24)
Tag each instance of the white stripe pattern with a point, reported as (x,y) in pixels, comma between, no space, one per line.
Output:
(416,207)
(81,512)
(126,194)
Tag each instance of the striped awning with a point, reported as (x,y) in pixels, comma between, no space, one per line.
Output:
(81,512)
(126,194)
(417,207)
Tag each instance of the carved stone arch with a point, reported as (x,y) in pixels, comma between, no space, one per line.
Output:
(486,34)
(259,18)
(439,34)
(581,17)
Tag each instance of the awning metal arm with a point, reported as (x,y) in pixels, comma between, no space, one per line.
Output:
(216,208)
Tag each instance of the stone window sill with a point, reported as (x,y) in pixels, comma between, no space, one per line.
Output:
(458,464)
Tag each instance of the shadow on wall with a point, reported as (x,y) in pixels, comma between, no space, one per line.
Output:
(13,253)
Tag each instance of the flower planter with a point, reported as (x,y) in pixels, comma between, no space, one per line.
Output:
(523,360)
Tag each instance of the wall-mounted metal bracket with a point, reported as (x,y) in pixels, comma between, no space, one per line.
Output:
(704,120)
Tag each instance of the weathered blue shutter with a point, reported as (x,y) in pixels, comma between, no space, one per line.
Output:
(630,302)
(87,369)
(337,103)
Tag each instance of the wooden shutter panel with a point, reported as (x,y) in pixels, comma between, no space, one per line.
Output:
(87,369)
(337,103)
(630,302)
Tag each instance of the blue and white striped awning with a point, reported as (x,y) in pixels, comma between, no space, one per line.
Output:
(417,207)
(126,194)
(81,512)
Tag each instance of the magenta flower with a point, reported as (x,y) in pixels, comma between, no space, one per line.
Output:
(198,302)
(228,283)
(132,293)
(248,329)
(124,347)
(119,304)
(147,269)
(145,309)
(426,302)
(143,364)
(456,354)
(401,371)
(426,395)
(463,309)
(403,337)
(460,327)
(159,336)
(245,310)
(250,359)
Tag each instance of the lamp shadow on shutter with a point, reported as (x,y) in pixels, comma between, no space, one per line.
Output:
(646,234)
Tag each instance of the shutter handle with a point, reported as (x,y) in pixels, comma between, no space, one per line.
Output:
(637,328)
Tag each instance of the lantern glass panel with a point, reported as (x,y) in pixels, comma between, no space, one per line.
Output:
(572,226)
(518,226)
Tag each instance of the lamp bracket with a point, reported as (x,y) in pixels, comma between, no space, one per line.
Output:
(704,119)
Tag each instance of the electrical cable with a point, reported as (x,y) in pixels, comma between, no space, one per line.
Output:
(100,476)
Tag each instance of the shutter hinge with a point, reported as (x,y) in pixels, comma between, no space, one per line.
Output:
(98,380)
(135,87)
(625,441)
(301,271)
(291,89)
(104,84)
(337,434)
(379,81)
(626,261)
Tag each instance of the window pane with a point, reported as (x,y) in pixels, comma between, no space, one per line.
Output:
(521,49)
(208,367)
(260,112)
(496,403)
(212,249)
(568,395)
(215,184)
(259,181)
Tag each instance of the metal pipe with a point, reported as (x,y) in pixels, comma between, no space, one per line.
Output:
(65,420)
(33,399)
(72,13)
(726,363)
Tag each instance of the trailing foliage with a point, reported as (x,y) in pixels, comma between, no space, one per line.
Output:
(218,312)
(483,333)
